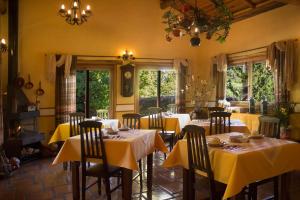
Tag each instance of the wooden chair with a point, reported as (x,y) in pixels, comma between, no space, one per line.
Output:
(133,120)
(270,127)
(220,119)
(102,114)
(155,119)
(75,120)
(92,147)
(215,109)
(199,162)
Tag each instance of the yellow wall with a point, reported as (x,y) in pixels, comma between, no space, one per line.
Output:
(135,25)
(114,26)
(258,31)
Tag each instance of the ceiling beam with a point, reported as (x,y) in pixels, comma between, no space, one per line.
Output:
(294,2)
(250,3)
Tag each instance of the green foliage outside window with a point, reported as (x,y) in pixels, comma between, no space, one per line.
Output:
(237,83)
(262,83)
(99,90)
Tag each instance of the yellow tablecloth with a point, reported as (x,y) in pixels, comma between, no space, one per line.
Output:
(62,131)
(251,120)
(257,160)
(175,122)
(235,126)
(120,152)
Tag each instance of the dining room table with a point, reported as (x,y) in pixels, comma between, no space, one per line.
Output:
(172,122)
(123,150)
(239,164)
(236,125)
(62,131)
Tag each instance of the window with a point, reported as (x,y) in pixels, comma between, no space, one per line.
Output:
(156,88)
(249,80)
(95,93)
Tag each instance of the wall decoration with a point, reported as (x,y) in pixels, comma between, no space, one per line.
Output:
(127,78)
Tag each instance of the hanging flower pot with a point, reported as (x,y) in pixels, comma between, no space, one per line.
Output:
(176,32)
(195,41)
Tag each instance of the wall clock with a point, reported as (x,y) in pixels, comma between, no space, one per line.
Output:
(127,78)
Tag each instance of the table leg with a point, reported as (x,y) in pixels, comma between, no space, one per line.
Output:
(188,184)
(284,193)
(75,180)
(149,175)
(126,183)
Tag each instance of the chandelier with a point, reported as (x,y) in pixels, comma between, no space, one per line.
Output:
(192,21)
(75,15)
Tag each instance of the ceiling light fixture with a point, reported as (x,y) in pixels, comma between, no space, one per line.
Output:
(3,45)
(127,56)
(193,21)
(75,15)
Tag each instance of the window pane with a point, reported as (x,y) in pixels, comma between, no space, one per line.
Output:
(99,91)
(263,83)
(147,90)
(168,88)
(237,83)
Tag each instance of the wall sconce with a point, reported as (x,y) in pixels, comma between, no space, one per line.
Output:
(3,45)
(127,55)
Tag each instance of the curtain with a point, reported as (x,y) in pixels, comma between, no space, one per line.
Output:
(65,91)
(218,73)
(281,59)
(181,67)
(53,62)
(1,108)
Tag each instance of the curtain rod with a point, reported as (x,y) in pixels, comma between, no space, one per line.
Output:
(94,56)
(252,49)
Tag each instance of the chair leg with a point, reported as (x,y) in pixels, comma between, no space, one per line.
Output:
(254,193)
(99,185)
(107,188)
(276,192)
(65,166)
(83,186)
(141,175)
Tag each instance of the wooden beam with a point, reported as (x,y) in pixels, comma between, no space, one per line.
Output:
(294,2)
(250,3)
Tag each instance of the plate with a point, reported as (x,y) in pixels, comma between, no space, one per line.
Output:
(256,137)
(123,129)
(216,145)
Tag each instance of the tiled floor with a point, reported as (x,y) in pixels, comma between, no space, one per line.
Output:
(39,180)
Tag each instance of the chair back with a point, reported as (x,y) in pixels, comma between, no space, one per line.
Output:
(269,126)
(155,118)
(215,109)
(198,156)
(102,114)
(173,108)
(92,145)
(75,119)
(220,119)
(132,120)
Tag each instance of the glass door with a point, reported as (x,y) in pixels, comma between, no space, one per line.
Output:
(157,88)
(93,91)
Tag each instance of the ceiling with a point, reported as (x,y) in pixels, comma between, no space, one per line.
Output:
(241,9)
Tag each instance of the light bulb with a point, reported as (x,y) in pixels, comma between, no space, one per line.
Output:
(76,16)
(69,12)
(88,7)
(75,4)
(130,53)
(83,12)
(196,29)
(62,7)
(3,41)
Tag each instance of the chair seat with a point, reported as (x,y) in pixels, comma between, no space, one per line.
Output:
(98,170)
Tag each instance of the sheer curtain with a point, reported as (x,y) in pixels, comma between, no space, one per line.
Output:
(218,73)
(61,69)
(281,58)
(181,66)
